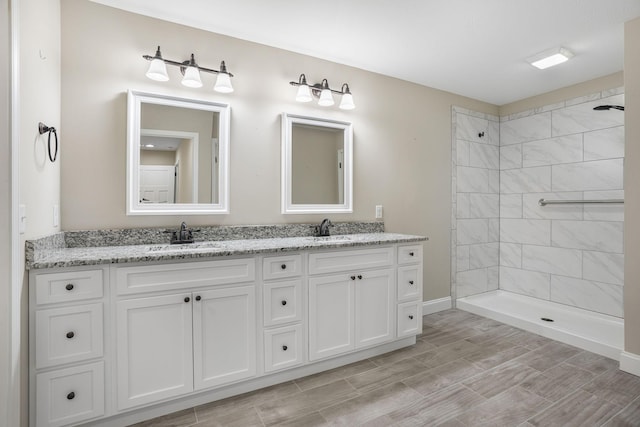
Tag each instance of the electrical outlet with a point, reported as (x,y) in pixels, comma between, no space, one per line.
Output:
(378,211)
(22,218)
(56,215)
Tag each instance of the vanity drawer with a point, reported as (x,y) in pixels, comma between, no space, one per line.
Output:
(163,277)
(409,254)
(68,286)
(282,348)
(409,318)
(68,334)
(282,302)
(69,396)
(349,260)
(281,267)
(409,282)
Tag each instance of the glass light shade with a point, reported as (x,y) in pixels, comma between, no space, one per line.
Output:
(223,83)
(326,99)
(192,77)
(304,94)
(346,103)
(157,71)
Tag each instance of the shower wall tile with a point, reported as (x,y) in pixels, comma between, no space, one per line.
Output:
(484,156)
(525,180)
(593,175)
(472,180)
(604,144)
(588,235)
(493,278)
(603,267)
(511,255)
(462,205)
(471,231)
(511,156)
(511,206)
(494,230)
(525,231)
(604,212)
(524,129)
(484,205)
(469,128)
(494,181)
(532,209)
(493,132)
(462,257)
(582,99)
(566,149)
(525,282)
(582,118)
(462,152)
(471,282)
(589,295)
(483,255)
(566,262)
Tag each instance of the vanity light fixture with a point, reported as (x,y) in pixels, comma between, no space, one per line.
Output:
(323,92)
(190,70)
(551,57)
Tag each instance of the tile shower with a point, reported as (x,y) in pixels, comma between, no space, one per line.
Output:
(503,239)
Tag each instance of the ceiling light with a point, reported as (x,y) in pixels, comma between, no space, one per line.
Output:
(549,58)
(323,92)
(149,145)
(304,93)
(223,81)
(157,69)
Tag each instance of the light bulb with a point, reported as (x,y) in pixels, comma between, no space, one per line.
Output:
(223,83)
(326,99)
(347,102)
(192,77)
(304,93)
(157,70)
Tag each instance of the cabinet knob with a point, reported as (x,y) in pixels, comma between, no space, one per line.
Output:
(283,266)
(410,253)
(353,277)
(284,348)
(71,395)
(70,334)
(187,299)
(360,276)
(198,297)
(411,317)
(69,287)
(411,282)
(283,302)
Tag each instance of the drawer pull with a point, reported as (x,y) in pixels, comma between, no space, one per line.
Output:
(359,276)
(283,266)
(411,282)
(410,253)
(353,277)
(70,334)
(411,317)
(71,395)
(284,348)
(198,297)
(187,299)
(283,302)
(69,287)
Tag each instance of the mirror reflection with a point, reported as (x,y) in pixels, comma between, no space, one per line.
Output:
(178,155)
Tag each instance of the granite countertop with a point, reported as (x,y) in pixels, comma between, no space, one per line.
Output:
(77,256)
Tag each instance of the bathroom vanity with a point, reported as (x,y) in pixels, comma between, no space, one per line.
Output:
(120,334)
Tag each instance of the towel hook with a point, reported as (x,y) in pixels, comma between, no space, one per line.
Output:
(42,128)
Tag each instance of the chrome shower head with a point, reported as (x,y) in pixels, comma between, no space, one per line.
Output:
(608,107)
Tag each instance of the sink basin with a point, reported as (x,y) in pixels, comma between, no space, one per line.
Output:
(332,238)
(187,247)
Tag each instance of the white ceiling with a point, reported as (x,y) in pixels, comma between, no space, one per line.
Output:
(475,48)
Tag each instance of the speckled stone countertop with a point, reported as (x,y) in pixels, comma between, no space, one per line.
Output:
(54,252)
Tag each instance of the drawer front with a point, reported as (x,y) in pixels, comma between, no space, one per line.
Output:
(68,286)
(282,348)
(409,283)
(281,267)
(69,396)
(68,334)
(409,318)
(349,260)
(282,302)
(409,254)
(162,277)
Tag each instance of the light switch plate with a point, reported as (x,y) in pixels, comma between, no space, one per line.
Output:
(378,211)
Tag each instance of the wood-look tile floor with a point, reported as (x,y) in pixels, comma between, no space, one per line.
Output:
(464,370)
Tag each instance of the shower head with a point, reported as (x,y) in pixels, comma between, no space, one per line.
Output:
(608,107)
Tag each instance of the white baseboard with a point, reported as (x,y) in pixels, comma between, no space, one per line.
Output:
(436,305)
(630,363)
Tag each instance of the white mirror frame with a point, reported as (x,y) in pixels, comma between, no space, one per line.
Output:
(134,101)
(288,207)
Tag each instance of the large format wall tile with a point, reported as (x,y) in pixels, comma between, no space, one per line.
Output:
(462,152)
(531,207)
(566,149)
(528,128)
(583,118)
(595,175)
(604,212)
(469,128)
(484,156)
(511,255)
(588,235)
(525,180)
(525,282)
(604,144)
(511,206)
(472,180)
(483,255)
(526,231)
(472,231)
(589,295)
(484,205)
(471,282)
(603,267)
(511,156)
(567,262)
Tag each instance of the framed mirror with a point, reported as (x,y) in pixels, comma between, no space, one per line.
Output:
(177,155)
(317,165)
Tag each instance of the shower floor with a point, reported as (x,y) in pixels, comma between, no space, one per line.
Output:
(595,332)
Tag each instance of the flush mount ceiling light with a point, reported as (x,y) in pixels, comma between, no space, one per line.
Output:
(322,91)
(190,70)
(550,57)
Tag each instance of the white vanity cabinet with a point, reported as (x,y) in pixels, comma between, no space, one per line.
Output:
(354,307)
(409,290)
(199,333)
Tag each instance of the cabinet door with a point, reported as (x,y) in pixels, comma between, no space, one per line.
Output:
(374,307)
(224,329)
(331,315)
(154,349)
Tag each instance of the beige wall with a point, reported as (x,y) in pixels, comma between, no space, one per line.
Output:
(402,131)
(157,157)
(632,187)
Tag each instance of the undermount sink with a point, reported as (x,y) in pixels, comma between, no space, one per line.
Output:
(332,238)
(186,247)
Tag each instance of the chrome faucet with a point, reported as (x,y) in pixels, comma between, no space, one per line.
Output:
(183,235)
(323,228)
